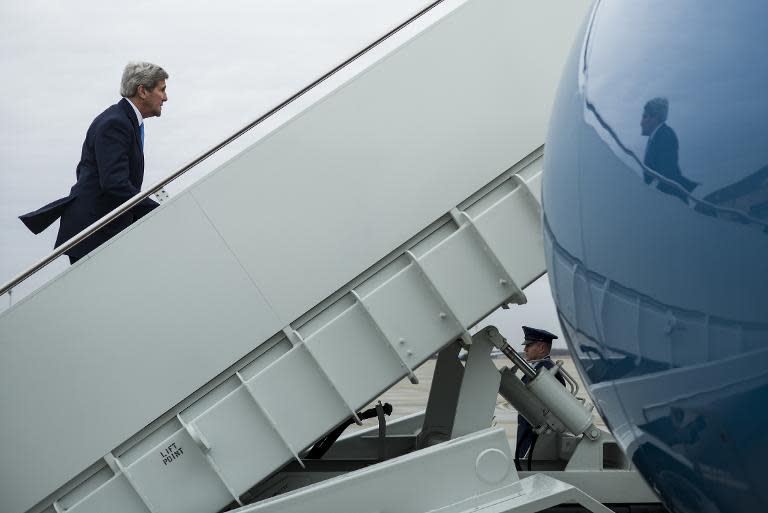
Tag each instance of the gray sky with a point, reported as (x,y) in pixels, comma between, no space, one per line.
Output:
(228,63)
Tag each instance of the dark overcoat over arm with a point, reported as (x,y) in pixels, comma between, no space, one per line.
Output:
(110,172)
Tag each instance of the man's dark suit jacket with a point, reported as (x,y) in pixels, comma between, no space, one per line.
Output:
(524,429)
(110,171)
(661,155)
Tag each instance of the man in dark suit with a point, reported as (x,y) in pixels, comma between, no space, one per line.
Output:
(111,167)
(537,345)
(661,151)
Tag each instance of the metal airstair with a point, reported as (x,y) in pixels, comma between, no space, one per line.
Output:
(188,364)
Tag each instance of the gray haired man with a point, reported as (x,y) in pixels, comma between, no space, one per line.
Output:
(111,167)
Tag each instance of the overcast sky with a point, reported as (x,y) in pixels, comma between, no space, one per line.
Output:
(228,63)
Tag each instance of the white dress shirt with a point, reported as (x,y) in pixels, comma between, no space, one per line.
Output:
(138,114)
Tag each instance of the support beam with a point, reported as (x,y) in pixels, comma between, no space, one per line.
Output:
(443,395)
(479,388)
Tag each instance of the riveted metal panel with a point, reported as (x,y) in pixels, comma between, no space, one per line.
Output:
(176,476)
(115,496)
(243,444)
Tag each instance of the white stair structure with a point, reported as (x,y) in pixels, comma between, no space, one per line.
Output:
(468,474)
(162,373)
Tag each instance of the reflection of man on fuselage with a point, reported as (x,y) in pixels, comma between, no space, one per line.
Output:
(111,167)
(536,348)
(661,151)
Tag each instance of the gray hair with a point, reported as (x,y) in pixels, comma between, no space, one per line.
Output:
(658,108)
(140,73)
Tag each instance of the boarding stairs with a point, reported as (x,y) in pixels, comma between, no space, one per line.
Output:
(182,365)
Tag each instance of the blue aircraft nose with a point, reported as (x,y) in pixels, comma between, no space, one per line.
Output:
(656,230)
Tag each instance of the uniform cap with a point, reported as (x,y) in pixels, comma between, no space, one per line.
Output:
(536,335)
